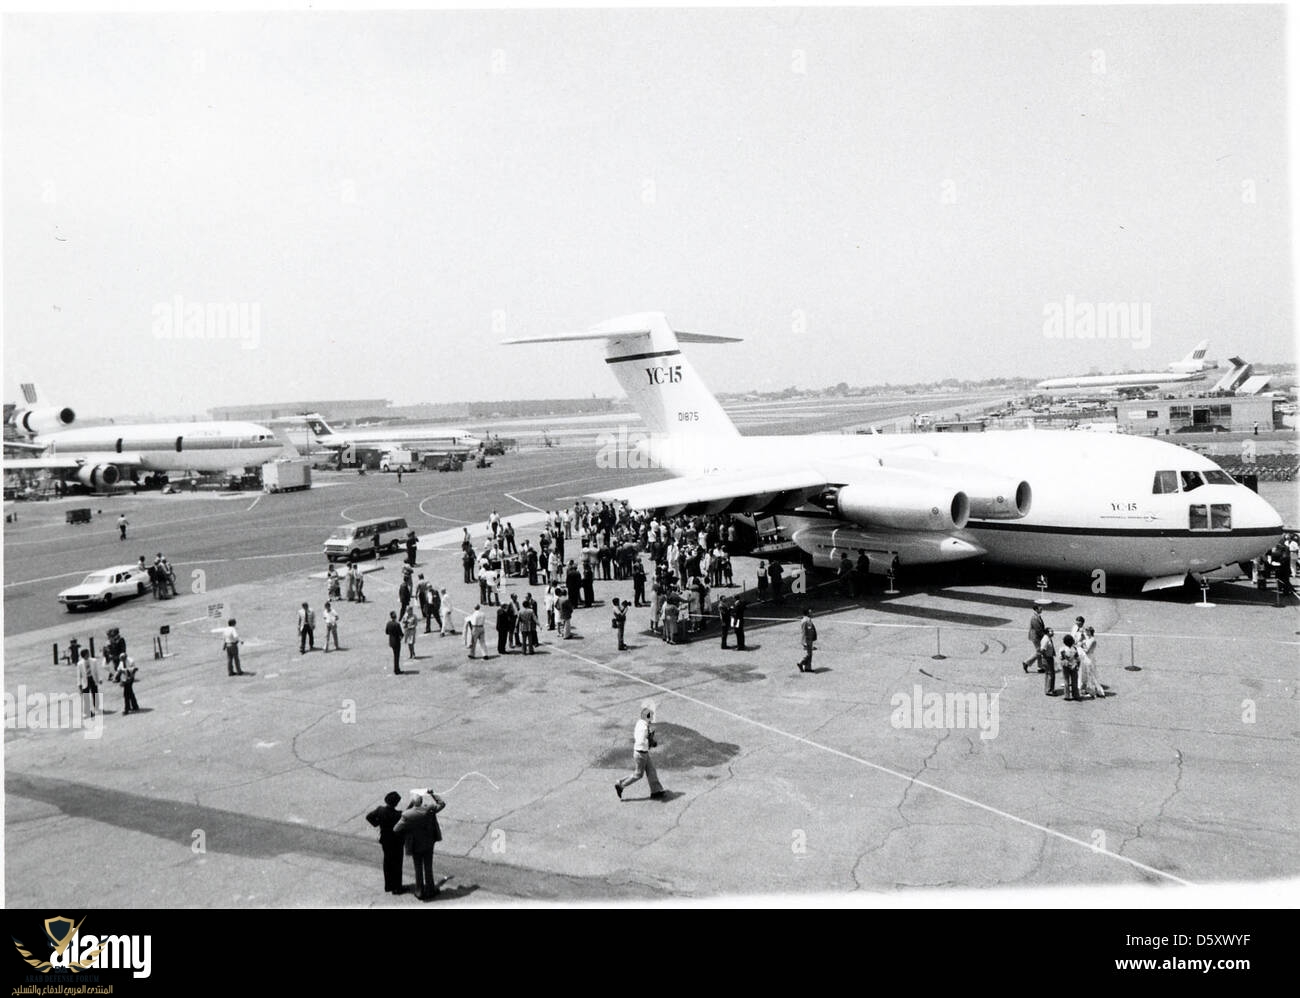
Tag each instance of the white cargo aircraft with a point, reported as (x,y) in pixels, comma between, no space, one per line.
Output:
(1044,500)
(98,456)
(1180,373)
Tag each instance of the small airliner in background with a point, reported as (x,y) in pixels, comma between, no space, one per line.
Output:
(1180,373)
(101,456)
(1045,500)
(413,437)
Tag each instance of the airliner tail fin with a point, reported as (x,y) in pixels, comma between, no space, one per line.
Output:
(644,354)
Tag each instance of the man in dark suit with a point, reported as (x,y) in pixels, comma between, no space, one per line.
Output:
(638,582)
(724,617)
(385,818)
(738,622)
(419,827)
(403,598)
(394,631)
(862,574)
(573,582)
(1037,628)
(774,573)
(532,563)
(845,570)
(505,625)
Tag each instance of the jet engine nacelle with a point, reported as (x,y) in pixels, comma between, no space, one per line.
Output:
(998,498)
(901,502)
(99,476)
(47,420)
(992,496)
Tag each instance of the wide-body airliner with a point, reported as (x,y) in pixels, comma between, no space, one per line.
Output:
(1038,499)
(101,456)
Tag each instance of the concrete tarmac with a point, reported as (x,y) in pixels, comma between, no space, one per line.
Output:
(919,754)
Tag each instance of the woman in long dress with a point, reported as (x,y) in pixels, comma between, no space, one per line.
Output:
(409,624)
(669,626)
(1091,679)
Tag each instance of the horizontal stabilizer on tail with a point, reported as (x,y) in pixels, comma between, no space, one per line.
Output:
(598,333)
(644,354)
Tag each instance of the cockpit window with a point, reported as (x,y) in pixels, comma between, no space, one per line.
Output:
(1191,480)
(1165,483)
(1216,516)
(1217,477)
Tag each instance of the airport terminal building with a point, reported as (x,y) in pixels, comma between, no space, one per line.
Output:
(1235,413)
(335,410)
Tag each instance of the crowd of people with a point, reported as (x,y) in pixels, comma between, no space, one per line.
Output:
(1077,659)
(162,577)
(118,667)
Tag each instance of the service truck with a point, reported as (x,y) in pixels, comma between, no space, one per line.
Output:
(398,459)
(286,476)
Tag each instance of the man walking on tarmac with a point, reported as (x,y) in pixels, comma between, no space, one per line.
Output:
(643,740)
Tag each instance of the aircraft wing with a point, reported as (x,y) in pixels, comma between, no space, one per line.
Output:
(24,445)
(71,462)
(737,492)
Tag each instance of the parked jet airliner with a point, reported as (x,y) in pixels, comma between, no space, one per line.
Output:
(98,456)
(1045,500)
(414,437)
(1180,373)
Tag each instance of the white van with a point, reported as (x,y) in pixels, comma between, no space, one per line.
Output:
(386,534)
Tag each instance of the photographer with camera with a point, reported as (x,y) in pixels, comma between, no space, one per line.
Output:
(643,740)
(419,831)
(619,621)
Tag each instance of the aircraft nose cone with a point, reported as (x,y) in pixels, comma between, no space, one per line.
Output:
(1261,512)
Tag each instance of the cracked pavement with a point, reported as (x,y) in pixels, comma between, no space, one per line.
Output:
(251,791)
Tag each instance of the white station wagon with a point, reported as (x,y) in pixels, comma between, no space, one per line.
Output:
(106,587)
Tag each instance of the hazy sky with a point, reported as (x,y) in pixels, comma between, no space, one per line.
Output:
(864,194)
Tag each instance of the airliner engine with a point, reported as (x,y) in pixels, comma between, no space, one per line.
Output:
(992,496)
(99,476)
(46,420)
(898,500)
(998,498)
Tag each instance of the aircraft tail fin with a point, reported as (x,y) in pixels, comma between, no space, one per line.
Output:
(644,354)
(320,429)
(29,392)
(1195,359)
